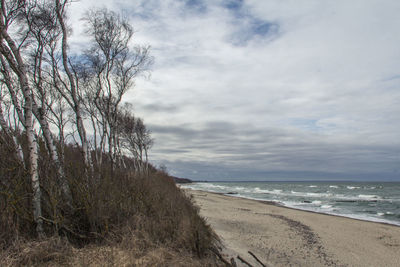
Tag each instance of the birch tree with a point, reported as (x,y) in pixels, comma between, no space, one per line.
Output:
(10,50)
(42,30)
(135,137)
(114,66)
(69,85)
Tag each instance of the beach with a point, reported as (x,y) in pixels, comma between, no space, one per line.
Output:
(281,236)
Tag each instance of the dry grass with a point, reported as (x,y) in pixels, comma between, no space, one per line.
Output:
(33,253)
(59,252)
(118,219)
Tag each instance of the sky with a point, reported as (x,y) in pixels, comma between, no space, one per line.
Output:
(267,89)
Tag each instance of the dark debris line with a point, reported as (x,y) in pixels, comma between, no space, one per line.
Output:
(311,239)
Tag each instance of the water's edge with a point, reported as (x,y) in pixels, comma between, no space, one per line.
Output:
(373,206)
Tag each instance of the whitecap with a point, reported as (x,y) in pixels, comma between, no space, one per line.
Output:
(333,186)
(258,190)
(239,188)
(213,186)
(319,194)
(352,187)
(372,197)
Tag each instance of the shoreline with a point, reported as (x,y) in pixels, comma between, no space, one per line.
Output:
(355,216)
(282,236)
(274,203)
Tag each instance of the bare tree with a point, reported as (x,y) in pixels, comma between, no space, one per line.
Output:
(135,137)
(10,49)
(42,31)
(145,142)
(43,82)
(113,67)
(69,86)
(59,116)
(98,125)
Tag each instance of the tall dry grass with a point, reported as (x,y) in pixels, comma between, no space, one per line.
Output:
(117,219)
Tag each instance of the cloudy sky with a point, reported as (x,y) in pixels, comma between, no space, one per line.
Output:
(268,89)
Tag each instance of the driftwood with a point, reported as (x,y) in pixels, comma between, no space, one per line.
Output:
(232,262)
(244,261)
(255,257)
(216,252)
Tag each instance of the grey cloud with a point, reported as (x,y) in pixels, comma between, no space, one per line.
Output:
(268,150)
(157,108)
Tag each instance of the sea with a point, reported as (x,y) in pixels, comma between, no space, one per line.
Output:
(369,201)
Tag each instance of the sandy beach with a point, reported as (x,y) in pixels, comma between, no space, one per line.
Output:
(281,236)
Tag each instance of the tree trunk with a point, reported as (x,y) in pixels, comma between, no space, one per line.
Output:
(73,87)
(20,153)
(37,194)
(147,161)
(61,179)
(14,58)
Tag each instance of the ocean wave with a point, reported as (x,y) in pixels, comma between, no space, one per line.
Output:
(370,197)
(207,187)
(265,191)
(319,194)
(239,188)
(333,211)
(280,193)
(353,187)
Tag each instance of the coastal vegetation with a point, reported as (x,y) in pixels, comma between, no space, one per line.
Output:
(76,187)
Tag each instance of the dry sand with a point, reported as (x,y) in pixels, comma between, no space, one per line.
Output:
(281,236)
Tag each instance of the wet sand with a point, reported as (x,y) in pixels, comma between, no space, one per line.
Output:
(281,236)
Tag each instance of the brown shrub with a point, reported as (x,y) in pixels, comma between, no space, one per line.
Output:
(121,217)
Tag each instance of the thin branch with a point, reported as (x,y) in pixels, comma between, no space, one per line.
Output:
(244,261)
(254,256)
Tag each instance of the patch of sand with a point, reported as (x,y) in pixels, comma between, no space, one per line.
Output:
(281,236)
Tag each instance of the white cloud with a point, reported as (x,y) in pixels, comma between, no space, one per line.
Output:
(327,70)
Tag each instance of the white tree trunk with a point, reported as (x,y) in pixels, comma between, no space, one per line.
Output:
(73,87)
(33,159)
(61,179)
(20,153)
(14,58)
